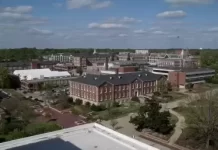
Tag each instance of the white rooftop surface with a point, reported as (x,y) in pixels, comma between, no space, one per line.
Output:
(32,74)
(85,137)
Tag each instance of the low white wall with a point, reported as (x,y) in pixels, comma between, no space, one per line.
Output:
(126,138)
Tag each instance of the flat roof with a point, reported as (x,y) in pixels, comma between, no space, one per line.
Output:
(184,69)
(31,74)
(84,137)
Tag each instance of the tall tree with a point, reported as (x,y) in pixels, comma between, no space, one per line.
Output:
(4,78)
(149,116)
(202,119)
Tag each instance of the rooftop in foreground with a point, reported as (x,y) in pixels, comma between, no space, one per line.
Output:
(85,137)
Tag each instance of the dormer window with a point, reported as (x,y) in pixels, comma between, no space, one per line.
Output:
(119,77)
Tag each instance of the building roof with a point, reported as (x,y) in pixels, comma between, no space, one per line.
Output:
(185,69)
(84,137)
(32,74)
(117,79)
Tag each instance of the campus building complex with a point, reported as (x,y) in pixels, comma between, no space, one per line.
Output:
(100,89)
(179,77)
(34,79)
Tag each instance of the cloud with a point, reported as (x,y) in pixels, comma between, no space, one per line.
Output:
(122,35)
(36,31)
(95,4)
(18,9)
(19,14)
(130,20)
(101,5)
(106,26)
(188,2)
(14,16)
(159,32)
(140,31)
(215,29)
(172,14)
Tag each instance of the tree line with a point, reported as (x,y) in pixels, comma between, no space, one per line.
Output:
(208,59)
(27,54)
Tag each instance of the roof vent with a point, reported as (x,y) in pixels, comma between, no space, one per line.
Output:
(84,76)
(111,77)
(119,77)
(139,75)
(146,74)
(95,78)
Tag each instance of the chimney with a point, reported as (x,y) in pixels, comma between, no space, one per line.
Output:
(106,63)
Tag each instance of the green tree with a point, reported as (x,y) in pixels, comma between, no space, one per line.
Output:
(39,128)
(4,78)
(149,116)
(162,86)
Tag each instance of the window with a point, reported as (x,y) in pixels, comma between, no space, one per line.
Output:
(110,97)
(123,87)
(119,88)
(110,89)
(119,95)
(105,90)
(101,90)
(137,85)
(124,94)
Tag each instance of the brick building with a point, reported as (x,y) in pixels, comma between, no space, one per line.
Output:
(180,78)
(84,60)
(101,89)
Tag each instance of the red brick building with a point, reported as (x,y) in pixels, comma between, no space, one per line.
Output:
(189,76)
(101,89)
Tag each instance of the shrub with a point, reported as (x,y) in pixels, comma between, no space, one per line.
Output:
(87,104)
(116,104)
(78,102)
(70,100)
(98,108)
(156,93)
(135,99)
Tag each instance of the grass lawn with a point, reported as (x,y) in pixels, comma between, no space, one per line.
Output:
(177,95)
(204,87)
(109,113)
(117,112)
(13,93)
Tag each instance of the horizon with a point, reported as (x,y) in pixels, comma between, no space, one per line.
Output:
(102,24)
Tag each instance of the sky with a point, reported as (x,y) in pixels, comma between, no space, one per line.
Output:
(139,24)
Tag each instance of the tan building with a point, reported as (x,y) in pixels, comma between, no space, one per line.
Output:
(100,89)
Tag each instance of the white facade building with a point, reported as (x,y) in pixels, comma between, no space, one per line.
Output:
(46,73)
(141,51)
(84,137)
(61,57)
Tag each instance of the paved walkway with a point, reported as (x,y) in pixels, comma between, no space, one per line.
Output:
(128,129)
(180,125)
